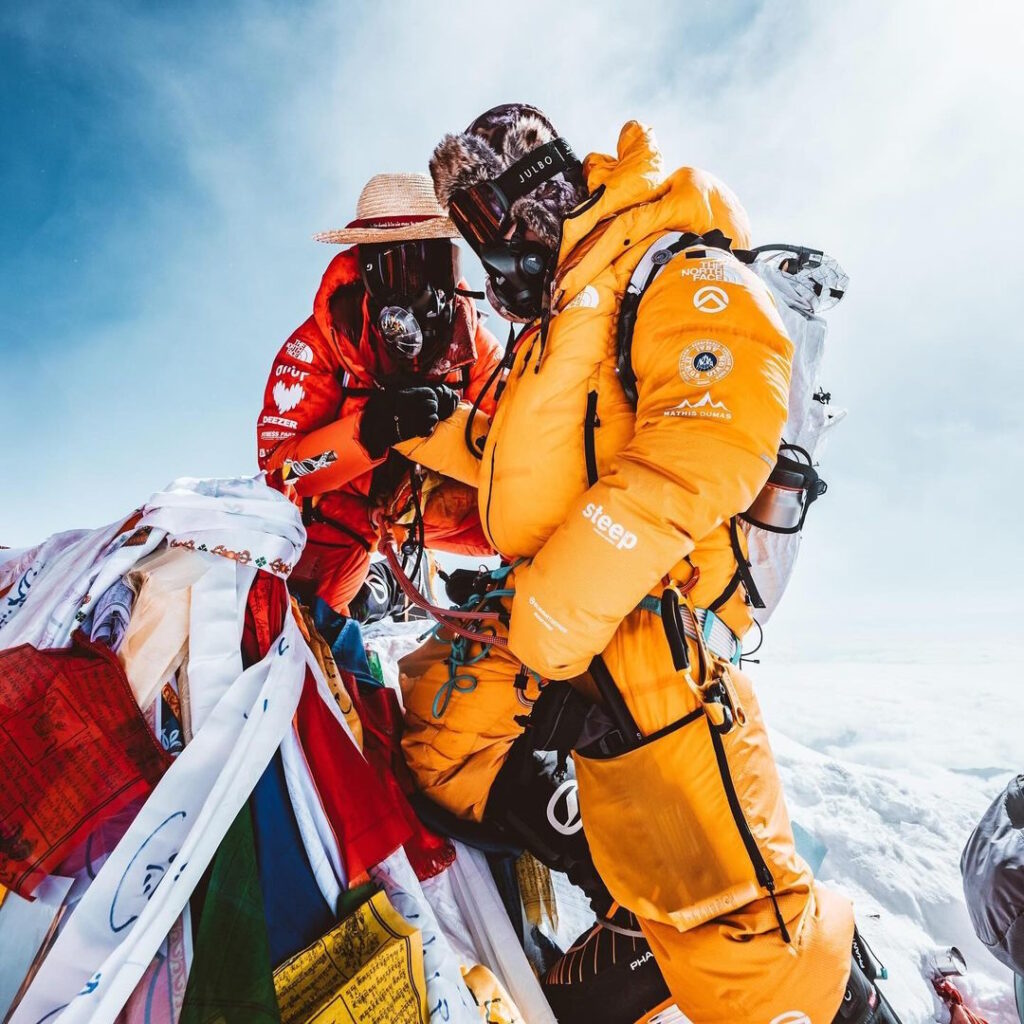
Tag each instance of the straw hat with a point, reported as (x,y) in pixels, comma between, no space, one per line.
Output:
(394,207)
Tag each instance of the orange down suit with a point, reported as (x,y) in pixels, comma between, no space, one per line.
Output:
(308,433)
(670,474)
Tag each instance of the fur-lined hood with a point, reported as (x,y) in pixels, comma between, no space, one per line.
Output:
(631,199)
(492,144)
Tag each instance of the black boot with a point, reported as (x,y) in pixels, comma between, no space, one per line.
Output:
(609,974)
(533,802)
(862,1002)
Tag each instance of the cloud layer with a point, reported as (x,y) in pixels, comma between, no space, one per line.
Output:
(144,294)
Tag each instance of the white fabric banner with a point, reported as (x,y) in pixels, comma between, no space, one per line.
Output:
(215,635)
(241,519)
(54,584)
(448,998)
(478,900)
(239,719)
(318,838)
(145,883)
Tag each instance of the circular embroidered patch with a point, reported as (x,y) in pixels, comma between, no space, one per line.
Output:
(704,362)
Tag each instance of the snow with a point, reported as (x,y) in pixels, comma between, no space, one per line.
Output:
(896,761)
(889,757)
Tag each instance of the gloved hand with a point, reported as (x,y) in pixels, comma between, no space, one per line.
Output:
(396,414)
(447,401)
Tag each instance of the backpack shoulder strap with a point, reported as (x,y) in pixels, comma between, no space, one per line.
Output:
(651,264)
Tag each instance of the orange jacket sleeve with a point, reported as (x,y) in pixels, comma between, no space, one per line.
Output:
(309,429)
(713,391)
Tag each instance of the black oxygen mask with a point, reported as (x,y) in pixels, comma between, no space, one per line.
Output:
(412,289)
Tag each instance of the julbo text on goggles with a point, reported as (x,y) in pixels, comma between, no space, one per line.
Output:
(481,211)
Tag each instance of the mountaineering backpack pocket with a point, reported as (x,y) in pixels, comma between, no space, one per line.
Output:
(804,283)
(712,833)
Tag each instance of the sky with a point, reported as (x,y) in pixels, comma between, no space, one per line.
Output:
(164,166)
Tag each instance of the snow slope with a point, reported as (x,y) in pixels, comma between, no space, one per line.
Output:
(897,756)
(896,761)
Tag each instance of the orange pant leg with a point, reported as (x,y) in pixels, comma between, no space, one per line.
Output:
(333,565)
(461,721)
(661,828)
(662,823)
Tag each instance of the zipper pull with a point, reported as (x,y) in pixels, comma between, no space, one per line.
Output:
(769,883)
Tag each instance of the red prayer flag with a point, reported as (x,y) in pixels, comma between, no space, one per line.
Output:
(74,750)
(363,815)
(379,711)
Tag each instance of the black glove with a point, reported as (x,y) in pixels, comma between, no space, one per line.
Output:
(397,414)
(447,401)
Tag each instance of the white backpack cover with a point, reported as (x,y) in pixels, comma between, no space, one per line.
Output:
(803,283)
(803,289)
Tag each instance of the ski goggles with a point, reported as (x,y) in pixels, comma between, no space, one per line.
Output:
(481,212)
(408,269)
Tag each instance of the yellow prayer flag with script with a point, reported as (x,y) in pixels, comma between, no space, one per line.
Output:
(366,970)
(537,892)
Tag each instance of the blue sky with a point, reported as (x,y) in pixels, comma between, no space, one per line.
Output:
(164,166)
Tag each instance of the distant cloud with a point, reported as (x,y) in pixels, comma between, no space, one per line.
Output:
(885,132)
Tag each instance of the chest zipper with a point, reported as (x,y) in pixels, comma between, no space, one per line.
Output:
(590,424)
(762,872)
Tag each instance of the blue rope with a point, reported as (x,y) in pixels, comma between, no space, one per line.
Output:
(450,687)
(459,681)
(503,570)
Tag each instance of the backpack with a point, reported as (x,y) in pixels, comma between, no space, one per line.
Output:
(992,866)
(804,283)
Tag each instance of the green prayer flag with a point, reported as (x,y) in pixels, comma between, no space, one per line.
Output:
(231,981)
